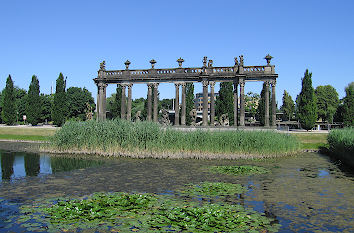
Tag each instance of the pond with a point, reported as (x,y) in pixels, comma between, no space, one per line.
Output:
(304,193)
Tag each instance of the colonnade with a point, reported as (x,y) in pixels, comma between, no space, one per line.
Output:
(152,111)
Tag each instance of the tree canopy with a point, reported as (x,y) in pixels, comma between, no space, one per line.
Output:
(327,102)
(33,106)
(306,108)
(8,109)
(224,102)
(348,105)
(189,101)
(288,106)
(77,99)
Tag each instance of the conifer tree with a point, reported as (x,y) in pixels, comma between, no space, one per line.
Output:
(224,102)
(8,109)
(189,101)
(60,104)
(306,103)
(116,105)
(348,105)
(261,106)
(33,106)
(327,102)
(288,106)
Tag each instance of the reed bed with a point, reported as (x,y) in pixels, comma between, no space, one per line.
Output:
(341,144)
(147,139)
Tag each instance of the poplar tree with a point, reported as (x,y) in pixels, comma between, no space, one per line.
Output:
(348,105)
(33,106)
(288,106)
(60,104)
(189,101)
(306,103)
(8,109)
(224,102)
(117,102)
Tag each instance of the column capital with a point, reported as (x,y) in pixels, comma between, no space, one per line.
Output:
(183,84)
(155,85)
(150,85)
(273,82)
(205,83)
(177,84)
(101,85)
(267,83)
(129,85)
(212,84)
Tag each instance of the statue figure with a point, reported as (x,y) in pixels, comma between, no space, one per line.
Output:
(241,60)
(224,120)
(193,115)
(138,116)
(88,110)
(236,61)
(205,61)
(165,117)
(103,65)
(210,63)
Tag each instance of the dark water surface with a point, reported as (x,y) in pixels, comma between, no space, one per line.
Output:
(305,193)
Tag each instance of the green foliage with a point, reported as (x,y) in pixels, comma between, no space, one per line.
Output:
(189,102)
(60,106)
(224,102)
(288,106)
(306,108)
(348,105)
(114,103)
(341,144)
(9,107)
(327,102)
(166,103)
(33,106)
(123,212)
(119,136)
(137,105)
(78,98)
(239,170)
(213,189)
(20,102)
(251,103)
(46,107)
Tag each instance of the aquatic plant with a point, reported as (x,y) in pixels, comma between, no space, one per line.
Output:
(141,212)
(341,144)
(239,170)
(213,189)
(147,139)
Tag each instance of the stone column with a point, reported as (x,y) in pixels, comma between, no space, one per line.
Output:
(205,102)
(101,100)
(242,103)
(129,106)
(183,110)
(235,103)
(123,101)
(177,104)
(156,102)
(266,99)
(149,99)
(274,106)
(212,104)
(98,103)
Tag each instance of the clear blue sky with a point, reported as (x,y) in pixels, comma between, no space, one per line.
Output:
(73,37)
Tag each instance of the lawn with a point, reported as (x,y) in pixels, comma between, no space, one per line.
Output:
(26,133)
(312,140)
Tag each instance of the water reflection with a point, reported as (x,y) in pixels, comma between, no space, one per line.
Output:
(17,165)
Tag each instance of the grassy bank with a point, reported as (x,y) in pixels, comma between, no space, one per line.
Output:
(146,139)
(313,141)
(341,145)
(26,133)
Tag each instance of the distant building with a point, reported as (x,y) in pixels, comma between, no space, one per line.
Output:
(198,101)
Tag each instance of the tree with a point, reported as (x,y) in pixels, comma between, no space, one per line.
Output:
(8,109)
(77,99)
(306,108)
(20,102)
(46,107)
(251,103)
(114,103)
(348,105)
(327,102)
(60,107)
(288,106)
(224,102)
(261,106)
(166,104)
(33,106)
(189,101)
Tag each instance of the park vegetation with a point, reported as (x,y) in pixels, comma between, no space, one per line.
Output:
(341,144)
(147,139)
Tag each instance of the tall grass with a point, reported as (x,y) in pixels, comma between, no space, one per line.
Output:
(147,139)
(341,144)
